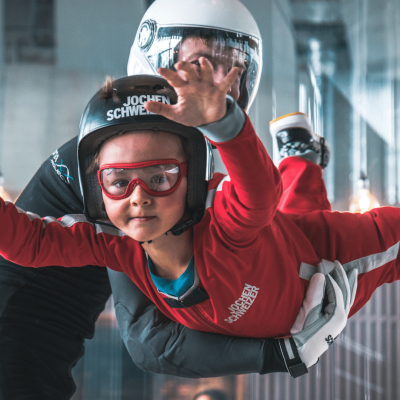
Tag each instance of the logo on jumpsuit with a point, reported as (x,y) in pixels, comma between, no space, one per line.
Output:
(243,303)
(61,169)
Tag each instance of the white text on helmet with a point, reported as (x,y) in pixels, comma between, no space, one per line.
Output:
(134,106)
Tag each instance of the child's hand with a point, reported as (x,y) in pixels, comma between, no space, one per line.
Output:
(200,100)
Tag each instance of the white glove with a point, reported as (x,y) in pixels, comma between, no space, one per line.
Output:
(315,329)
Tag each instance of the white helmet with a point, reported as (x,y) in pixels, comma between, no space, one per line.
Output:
(223,31)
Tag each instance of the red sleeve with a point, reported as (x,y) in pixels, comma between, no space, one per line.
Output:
(30,241)
(247,200)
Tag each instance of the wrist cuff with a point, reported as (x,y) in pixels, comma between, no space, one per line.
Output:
(228,127)
(294,363)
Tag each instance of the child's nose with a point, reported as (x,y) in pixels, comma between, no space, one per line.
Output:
(139,196)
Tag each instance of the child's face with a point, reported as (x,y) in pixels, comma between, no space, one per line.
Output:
(142,216)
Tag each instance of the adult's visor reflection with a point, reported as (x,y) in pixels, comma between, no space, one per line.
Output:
(224,49)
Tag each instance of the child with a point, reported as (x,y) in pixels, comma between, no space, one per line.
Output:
(243,255)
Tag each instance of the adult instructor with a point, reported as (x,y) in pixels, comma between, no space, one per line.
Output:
(45,314)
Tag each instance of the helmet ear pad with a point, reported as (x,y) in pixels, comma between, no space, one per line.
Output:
(197,165)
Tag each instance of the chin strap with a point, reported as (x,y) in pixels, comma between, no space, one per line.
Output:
(178,229)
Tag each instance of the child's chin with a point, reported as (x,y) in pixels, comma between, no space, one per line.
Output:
(139,236)
(143,238)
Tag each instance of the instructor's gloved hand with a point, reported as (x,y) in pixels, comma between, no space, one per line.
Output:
(315,329)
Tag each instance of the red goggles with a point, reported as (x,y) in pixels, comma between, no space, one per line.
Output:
(157,178)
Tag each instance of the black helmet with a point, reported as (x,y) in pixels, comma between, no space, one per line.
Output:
(120,109)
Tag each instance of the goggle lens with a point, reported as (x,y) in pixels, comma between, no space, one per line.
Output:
(157,178)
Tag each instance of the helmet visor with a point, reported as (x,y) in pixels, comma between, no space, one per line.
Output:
(224,49)
(157,178)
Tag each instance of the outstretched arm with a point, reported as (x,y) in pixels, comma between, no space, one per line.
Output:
(251,198)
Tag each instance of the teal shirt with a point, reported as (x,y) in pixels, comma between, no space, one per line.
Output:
(173,287)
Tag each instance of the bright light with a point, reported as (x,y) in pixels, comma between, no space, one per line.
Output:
(4,194)
(364,201)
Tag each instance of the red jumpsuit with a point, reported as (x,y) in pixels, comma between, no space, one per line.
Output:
(369,241)
(249,251)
